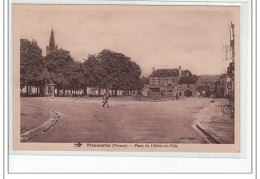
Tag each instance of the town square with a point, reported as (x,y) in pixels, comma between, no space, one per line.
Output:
(163,86)
(128,120)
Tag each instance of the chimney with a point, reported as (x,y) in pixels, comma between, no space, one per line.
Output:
(179,70)
(153,69)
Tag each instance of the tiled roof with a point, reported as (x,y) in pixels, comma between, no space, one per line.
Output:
(169,72)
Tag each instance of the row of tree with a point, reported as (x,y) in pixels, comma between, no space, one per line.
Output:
(106,70)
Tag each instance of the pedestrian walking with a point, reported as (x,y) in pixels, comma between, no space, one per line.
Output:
(105,98)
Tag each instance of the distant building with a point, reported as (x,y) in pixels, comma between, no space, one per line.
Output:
(223,86)
(182,83)
(188,86)
(164,82)
(145,90)
(53,48)
(208,81)
(201,90)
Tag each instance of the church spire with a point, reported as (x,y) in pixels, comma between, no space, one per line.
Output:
(52,40)
(51,48)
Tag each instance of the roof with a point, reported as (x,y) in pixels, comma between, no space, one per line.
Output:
(169,72)
(188,80)
(208,79)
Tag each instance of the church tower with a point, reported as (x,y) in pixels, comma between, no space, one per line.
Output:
(51,48)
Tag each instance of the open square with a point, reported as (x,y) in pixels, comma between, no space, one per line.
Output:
(127,120)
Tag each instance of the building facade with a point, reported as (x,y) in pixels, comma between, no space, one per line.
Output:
(188,86)
(164,82)
(223,86)
(209,83)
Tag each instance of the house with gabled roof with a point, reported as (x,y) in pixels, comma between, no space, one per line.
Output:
(209,81)
(188,86)
(164,82)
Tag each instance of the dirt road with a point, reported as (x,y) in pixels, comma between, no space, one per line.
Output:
(124,122)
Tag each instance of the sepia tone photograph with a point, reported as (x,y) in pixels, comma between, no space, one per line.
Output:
(125,78)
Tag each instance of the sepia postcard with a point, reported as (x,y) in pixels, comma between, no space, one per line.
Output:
(125,78)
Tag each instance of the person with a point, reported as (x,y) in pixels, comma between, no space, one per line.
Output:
(177,96)
(105,98)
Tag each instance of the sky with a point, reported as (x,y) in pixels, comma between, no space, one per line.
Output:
(153,36)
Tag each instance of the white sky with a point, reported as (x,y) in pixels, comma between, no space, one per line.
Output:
(160,37)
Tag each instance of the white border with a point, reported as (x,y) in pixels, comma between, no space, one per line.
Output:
(242,163)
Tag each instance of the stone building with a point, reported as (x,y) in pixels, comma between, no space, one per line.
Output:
(209,81)
(164,82)
(188,86)
(223,86)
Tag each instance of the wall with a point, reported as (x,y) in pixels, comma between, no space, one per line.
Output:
(188,87)
(167,85)
(145,91)
(163,81)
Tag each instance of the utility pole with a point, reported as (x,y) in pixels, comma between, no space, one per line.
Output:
(232,67)
(178,77)
(232,41)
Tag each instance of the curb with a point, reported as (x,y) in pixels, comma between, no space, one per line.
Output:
(210,137)
(44,127)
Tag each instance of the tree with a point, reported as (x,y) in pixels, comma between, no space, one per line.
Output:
(92,73)
(62,69)
(118,71)
(75,78)
(108,69)
(32,65)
